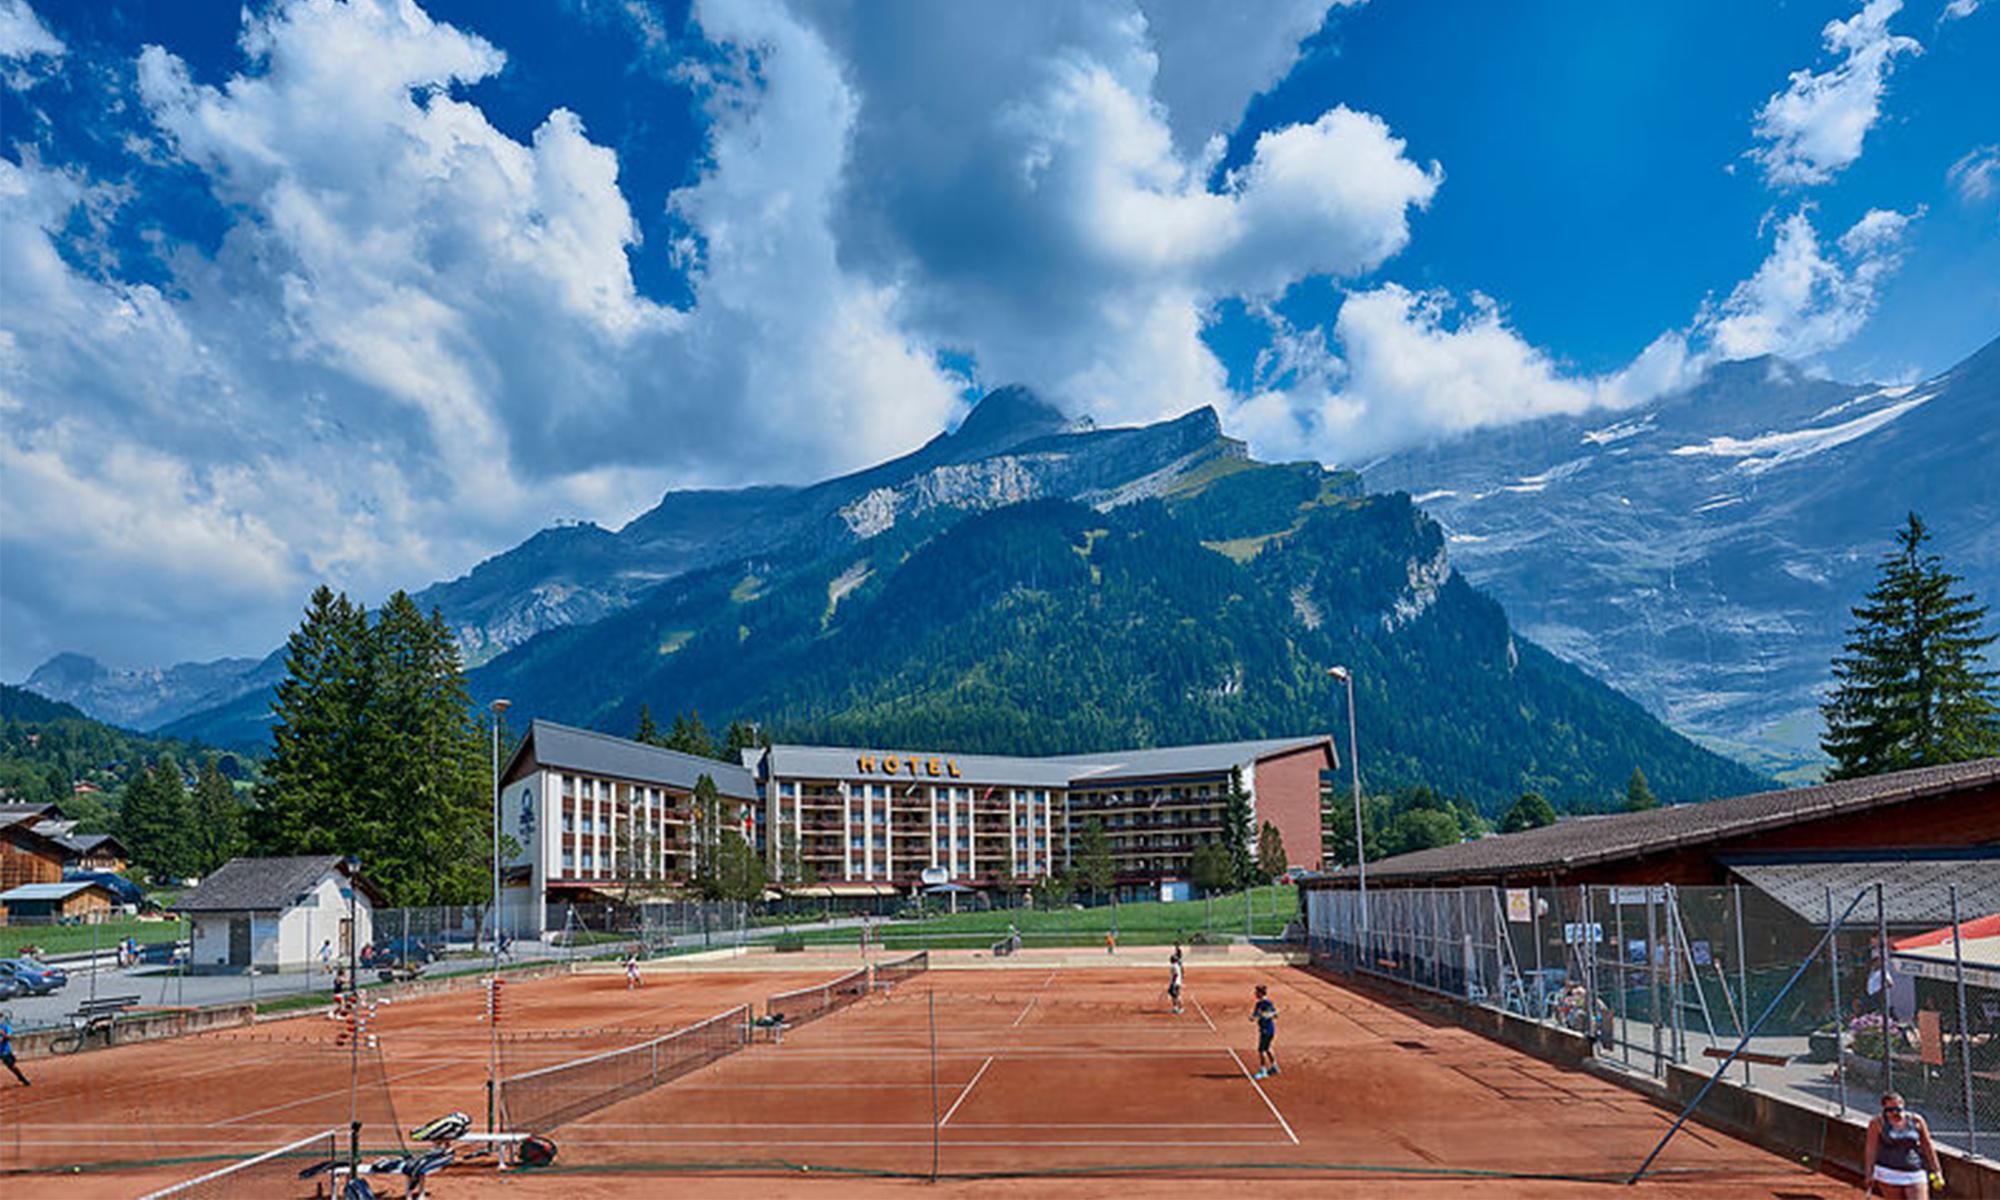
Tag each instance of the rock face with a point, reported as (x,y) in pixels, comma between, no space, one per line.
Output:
(1701,553)
(147,699)
(1013,446)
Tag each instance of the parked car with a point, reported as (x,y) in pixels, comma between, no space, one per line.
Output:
(33,979)
(399,950)
(8,987)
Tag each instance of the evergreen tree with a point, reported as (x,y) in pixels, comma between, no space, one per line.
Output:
(739,870)
(740,736)
(1911,688)
(305,805)
(1237,832)
(690,736)
(218,822)
(705,876)
(1638,793)
(1528,812)
(1271,861)
(155,822)
(1094,869)
(1209,868)
(647,731)
(375,752)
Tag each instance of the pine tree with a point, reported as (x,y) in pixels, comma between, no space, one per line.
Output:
(647,731)
(155,821)
(319,717)
(1638,793)
(1237,831)
(1528,812)
(218,820)
(690,736)
(1094,868)
(740,736)
(1270,853)
(1911,688)
(705,876)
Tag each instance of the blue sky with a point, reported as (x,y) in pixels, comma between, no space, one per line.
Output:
(365,292)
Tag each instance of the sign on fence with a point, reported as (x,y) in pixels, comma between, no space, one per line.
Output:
(1575,931)
(1639,895)
(1520,905)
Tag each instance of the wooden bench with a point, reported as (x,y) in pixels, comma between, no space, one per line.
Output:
(98,1016)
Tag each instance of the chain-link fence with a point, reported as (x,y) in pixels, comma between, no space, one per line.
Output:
(1666,975)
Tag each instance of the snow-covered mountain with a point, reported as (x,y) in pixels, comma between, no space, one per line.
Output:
(1701,552)
(151,697)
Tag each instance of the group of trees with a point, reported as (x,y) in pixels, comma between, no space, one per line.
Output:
(689,736)
(173,831)
(1239,858)
(375,751)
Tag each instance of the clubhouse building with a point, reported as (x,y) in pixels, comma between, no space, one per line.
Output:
(594,816)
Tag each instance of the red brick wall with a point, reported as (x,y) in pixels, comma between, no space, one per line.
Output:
(1288,797)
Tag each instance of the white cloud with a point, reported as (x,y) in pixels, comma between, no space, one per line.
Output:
(1815,127)
(22,34)
(1020,175)
(1958,9)
(420,338)
(1976,176)
(1402,366)
(1804,299)
(1213,58)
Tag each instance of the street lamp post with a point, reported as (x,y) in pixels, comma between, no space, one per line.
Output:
(499,708)
(1354,765)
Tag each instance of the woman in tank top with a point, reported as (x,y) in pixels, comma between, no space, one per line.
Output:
(1899,1151)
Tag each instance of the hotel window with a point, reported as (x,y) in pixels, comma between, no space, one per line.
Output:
(569,823)
(569,861)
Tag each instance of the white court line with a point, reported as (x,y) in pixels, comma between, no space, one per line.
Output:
(1267,1100)
(389,1080)
(967,1092)
(571,1139)
(1204,1012)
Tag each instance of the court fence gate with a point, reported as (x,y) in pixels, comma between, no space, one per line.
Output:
(1659,975)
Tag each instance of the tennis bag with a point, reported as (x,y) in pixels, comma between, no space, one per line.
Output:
(447,1128)
(535,1151)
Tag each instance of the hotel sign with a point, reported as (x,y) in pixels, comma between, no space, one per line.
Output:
(910,765)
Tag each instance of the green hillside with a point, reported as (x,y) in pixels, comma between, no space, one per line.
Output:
(1050,627)
(47,748)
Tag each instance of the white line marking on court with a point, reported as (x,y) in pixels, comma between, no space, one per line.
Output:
(1267,1099)
(1204,1012)
(967,1092)
(1036,997)
(389,1080)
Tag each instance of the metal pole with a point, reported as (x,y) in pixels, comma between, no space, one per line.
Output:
(1535,929)
(1832,928)
(1882,977)
(935,1128)
(1624,977)
(1588,956)
(353,1020)
(1964,1041)
(1354,768)
(1833,972)
(1742,970)
(1653,976)
(499,708)
(1674,1006)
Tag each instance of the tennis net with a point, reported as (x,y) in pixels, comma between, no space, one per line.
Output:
(806,1004)
(889,974)
(538,1101)
(274,1173)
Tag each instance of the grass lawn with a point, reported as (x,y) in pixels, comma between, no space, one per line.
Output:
(1151,922)
(65,939)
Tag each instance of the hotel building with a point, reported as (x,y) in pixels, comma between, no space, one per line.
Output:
(594,814)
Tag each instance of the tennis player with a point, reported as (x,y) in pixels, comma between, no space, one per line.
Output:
(1174,976)
(7,1049)
(632,979)
(1265,1014)
(1899,1148)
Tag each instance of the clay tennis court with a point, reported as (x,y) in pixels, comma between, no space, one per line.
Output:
(1041,1078)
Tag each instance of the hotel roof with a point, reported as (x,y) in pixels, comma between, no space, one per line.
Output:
(568,748)
(1059,771)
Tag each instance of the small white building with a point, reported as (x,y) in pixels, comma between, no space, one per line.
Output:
(279,914)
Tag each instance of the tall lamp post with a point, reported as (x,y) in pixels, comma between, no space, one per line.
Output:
(1354,765)
(499,708)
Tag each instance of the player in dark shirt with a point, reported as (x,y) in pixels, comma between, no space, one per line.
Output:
(1265,1014)
(7,1050)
